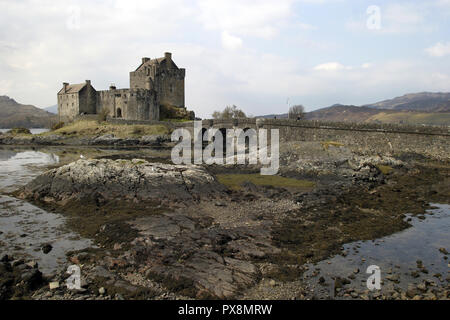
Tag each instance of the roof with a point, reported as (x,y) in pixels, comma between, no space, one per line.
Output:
(156,61)
(73,88)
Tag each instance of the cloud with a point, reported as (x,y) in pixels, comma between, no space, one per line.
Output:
(259,18)
(253,54)
(330,66)
(439,49)
(230,42)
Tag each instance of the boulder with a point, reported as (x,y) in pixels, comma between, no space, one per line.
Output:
(104,180)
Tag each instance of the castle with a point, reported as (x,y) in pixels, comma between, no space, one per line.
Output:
(154,84)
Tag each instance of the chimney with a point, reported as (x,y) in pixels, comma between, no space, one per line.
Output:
(144,60)
(65,84)
(168,57)
(88,82)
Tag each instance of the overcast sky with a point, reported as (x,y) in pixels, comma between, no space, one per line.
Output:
(260,55)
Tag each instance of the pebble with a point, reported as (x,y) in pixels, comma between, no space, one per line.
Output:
(32,264)
(422,286)
(53,285)
(101,291)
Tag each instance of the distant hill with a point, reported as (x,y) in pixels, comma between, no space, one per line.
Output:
(52,109)
(423,101)
(14,114)
(273,116)
(415,108)
(340,112)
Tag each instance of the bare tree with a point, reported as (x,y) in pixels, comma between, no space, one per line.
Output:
(297,112)
(229,113)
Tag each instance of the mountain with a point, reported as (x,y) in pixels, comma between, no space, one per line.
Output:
(339,112)
(52,109)
(423,101)
(343,113)
(430,108)
(14,114)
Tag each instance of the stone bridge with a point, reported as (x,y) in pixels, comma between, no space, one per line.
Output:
(362,138)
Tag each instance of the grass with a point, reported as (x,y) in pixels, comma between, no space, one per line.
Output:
(235,181)
(176,120)
(327,144)
(19,131)
(384,169)
(93,128)
(438,118)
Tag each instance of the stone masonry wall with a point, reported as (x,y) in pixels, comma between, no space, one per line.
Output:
(129,104)
(362,138)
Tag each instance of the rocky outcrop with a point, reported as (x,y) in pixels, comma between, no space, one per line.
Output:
(103,180)
(179,251)
(103,140)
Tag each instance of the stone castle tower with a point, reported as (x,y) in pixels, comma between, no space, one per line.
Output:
(155,83)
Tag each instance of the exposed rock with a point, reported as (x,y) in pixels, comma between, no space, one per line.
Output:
(103,180)
(155,139)
(187,258)
(47,248)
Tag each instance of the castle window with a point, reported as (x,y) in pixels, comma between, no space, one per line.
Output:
(119,113)
(171,88)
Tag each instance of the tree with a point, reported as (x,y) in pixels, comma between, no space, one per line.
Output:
(229,113)
(297,112)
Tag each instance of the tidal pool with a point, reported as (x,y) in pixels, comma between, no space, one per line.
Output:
(25,228)
(397,256)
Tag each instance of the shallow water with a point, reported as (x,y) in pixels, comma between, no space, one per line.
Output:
(32,130)
(25,228)
(396,254)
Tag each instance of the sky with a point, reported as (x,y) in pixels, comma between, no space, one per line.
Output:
(260,55)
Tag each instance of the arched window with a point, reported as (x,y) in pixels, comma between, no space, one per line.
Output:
(119,113)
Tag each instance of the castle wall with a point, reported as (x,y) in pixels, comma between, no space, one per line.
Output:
(68,106)
(155,83)
(71,105)
(171,87)
(139,79)
(88,100)
(129,104)
(165,78)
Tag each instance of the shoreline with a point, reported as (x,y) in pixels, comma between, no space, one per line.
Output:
(279,255)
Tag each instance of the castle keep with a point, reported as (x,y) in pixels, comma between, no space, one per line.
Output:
(155,83)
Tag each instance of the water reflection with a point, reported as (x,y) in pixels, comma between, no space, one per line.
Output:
(396,254)
(25,228)
(18,168)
